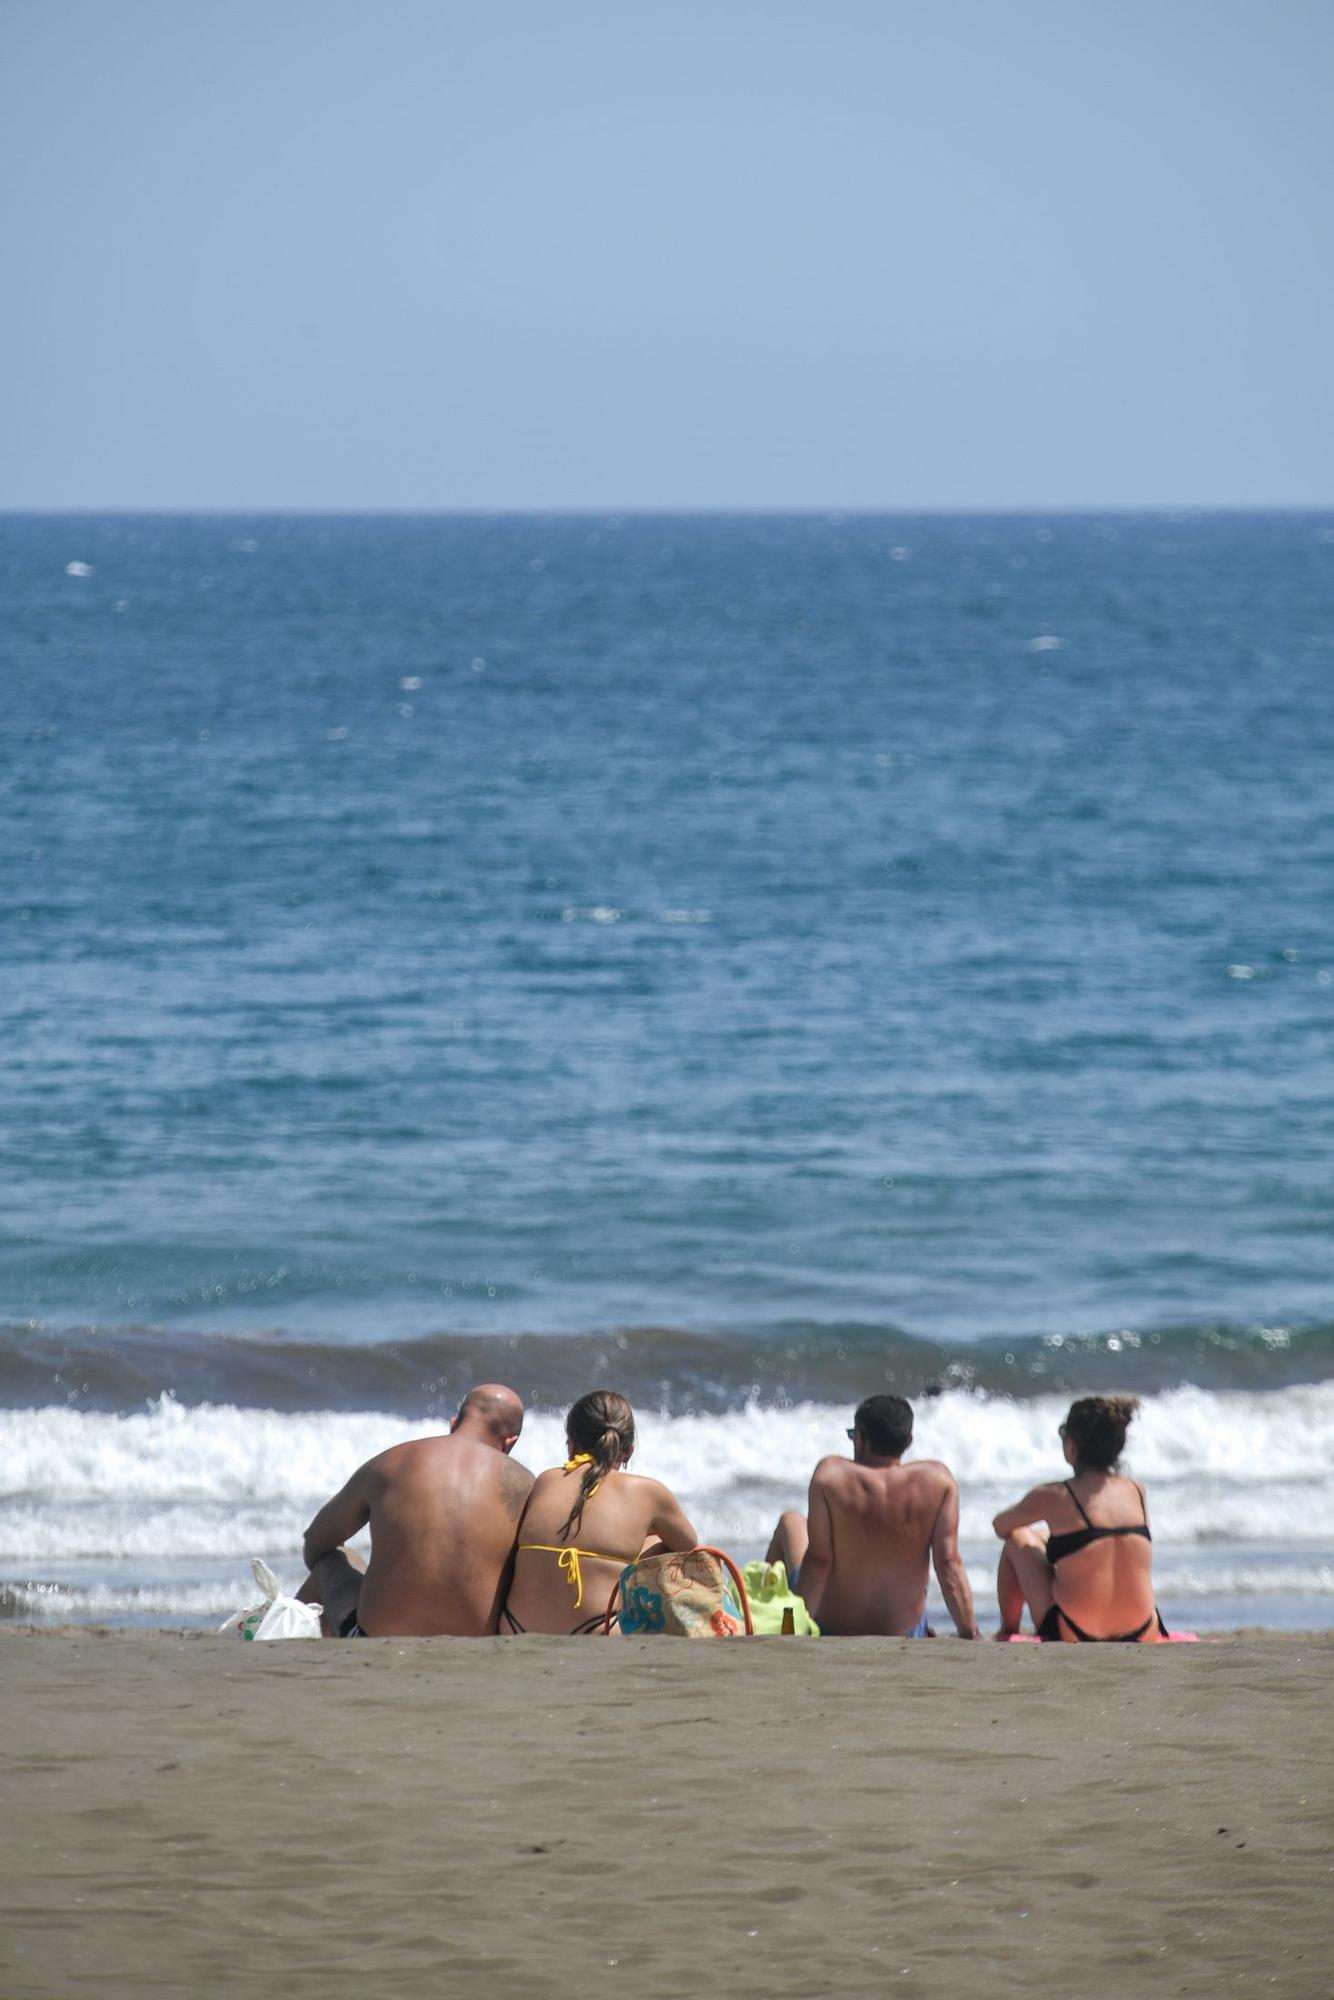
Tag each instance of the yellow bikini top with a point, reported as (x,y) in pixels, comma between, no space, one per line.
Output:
(568,1559)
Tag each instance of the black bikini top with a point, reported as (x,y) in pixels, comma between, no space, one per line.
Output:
(1060,1546)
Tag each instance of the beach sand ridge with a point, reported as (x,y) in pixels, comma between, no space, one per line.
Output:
(408,1817)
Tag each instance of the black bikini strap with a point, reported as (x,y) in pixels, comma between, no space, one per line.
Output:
(1070,1489)
(1112,1639)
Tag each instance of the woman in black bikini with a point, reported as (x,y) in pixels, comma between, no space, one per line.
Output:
(584,1521)
(1086,1575)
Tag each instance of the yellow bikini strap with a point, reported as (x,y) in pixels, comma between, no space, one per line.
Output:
(568,1561)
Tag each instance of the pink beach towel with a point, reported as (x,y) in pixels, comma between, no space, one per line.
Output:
(1166,1639)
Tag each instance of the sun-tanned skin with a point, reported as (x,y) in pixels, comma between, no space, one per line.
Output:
(862,1548)
(626,1513)
(1107,1587)
(442,1513)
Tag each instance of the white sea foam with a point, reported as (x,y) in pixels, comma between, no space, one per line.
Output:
(1199,1591)
(1178,1579)
(139,1603)
(213,1481)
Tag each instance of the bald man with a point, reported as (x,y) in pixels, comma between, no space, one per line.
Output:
(443,1514)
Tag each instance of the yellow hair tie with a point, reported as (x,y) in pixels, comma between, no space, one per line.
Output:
(572,1465)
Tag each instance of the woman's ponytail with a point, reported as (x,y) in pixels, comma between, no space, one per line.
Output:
(601,1427)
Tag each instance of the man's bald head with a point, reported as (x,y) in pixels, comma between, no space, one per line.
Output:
(492,1414)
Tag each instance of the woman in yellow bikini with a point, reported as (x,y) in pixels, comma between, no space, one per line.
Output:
(585,1520)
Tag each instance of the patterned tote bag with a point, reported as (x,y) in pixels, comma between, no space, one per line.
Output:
(694,1594)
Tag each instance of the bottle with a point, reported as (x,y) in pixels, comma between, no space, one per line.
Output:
(787,1629)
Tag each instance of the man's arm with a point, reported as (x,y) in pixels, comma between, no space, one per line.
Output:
(950,1572)
(818,1562)
(340,1518)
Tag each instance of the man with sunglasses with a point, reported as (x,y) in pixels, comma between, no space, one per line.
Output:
(859,1555)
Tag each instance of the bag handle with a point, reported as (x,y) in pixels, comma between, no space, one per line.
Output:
(742,1593)
(700,1549)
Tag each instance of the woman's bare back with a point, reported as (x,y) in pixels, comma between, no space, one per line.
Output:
(1107,1584)
(564,1578)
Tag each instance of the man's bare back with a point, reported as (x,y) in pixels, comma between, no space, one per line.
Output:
(872,1526)
(442,1513)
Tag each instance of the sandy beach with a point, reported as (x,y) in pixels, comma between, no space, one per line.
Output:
(191,1815)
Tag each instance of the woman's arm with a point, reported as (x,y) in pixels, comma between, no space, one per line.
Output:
(1035,1506)
(669,1522)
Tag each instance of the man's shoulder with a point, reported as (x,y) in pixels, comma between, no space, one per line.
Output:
(411,1450)
(419,1447)
(430,1456)
(516,1483)
(394,1456)
(398,1464)
(496,1467)
(833,1471)
(934,1469)
(930,1477)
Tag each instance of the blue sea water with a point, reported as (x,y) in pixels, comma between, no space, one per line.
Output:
(768,957)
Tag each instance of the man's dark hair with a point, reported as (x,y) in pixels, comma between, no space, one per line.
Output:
(886,1424)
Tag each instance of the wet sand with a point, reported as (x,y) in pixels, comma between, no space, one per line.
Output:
(192,1815)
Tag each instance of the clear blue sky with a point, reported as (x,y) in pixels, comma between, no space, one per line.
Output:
(722,253)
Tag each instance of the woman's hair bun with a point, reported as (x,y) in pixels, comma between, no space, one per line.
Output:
(1098,1425)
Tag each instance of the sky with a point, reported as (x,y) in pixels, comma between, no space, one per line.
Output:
(724,254)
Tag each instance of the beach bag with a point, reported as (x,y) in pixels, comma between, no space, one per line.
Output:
(278,1617)
(770,1595)
(691,1594)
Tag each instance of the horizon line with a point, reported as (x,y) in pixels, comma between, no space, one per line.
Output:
(644,510)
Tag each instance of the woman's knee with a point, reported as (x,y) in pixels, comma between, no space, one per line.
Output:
(1027,1538)
(789,1537)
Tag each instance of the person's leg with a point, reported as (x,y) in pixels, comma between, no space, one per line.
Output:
(335,1584)
(789,1542)
(1023,1578)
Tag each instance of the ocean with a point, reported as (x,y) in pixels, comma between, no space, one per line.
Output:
(748,961)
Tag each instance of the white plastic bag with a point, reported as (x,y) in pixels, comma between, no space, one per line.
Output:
(278,1617)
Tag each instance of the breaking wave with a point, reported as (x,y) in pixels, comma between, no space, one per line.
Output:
(218,1481)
